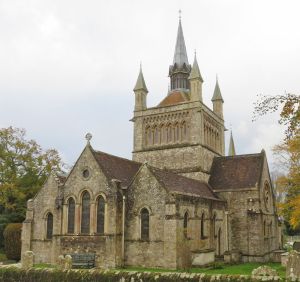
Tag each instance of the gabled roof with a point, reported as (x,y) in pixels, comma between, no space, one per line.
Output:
(182,185)
(236,172)
(117,168)
(175,97)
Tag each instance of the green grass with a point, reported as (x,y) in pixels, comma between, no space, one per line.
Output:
(236,269)
(2,256)
(44,265)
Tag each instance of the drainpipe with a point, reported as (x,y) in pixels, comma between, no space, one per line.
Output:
(123,232)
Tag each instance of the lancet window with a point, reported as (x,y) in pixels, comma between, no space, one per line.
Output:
(85,213)
(71,215)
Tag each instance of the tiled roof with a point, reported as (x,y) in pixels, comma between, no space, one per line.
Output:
(183,185)
(236,172)
(175,97)
(125,170)
(116,167)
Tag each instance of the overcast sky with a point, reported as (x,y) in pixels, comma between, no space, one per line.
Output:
(69,67)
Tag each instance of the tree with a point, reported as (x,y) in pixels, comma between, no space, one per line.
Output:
(287,153)
(24,166)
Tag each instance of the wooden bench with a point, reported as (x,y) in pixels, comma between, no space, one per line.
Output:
(83,260)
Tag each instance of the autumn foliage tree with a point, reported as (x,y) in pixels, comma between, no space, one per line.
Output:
(24,166)
(287,153)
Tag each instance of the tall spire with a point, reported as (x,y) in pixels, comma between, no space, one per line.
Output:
(231,151)
(180,55)
(140,83)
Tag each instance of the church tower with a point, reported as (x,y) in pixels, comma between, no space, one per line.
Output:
(181,133)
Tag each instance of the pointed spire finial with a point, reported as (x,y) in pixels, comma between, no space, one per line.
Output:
(217,92)
(231,150)
(179,12)
(195,72)
(140,83)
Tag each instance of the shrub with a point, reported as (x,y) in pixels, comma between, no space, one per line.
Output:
(12,241)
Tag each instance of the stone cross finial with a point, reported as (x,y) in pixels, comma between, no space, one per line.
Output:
(179,12)
(88,137)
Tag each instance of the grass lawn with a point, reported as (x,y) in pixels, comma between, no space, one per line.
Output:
(236,269)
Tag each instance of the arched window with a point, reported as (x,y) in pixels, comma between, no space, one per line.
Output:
(265,231)
(71,215)
(156,135)
(177,133)
(169,134)
(185,224)
(144,224)
(202,226)
(49,232)
(85,213)
(100,215)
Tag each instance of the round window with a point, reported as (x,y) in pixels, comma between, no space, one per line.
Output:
(86,173)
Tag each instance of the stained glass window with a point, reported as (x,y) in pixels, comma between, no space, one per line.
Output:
(100,215)
(71,215)
(85,213)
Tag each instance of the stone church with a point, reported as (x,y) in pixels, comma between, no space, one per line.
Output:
(179,202)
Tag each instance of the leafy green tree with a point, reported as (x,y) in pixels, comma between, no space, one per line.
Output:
(287,153)
(24,166)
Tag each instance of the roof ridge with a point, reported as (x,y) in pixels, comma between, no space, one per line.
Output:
(238,156)
(122,158)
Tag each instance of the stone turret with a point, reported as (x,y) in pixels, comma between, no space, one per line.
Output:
(196,81)
(231,150)
(140,91)
(180,70)
(217,101)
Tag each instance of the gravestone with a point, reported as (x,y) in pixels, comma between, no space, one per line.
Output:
(27,261)
(296,246)
(61,262)
(68,262)
(264,271)
(293,265)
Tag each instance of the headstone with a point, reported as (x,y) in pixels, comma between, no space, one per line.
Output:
(264,271)
(27,261)
(61,262)
(296,246)
(293,265)
(68,262)
(284,259)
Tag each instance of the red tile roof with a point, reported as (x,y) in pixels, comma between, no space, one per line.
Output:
(175,97)
(236,172)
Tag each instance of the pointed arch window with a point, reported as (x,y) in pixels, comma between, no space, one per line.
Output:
(202,226)
(71,215)
(144,224)
(85,213)
(100,215)
(214,225)
(185,224)
(49,232)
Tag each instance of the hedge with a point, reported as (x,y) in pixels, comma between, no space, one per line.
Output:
(12,241)
(13,274)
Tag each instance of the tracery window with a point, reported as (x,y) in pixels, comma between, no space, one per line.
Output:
(100,215)
(85,213)
(49,231)
(71,215)
(185,224)
(144,224)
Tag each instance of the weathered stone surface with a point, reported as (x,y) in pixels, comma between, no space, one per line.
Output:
(68,262)
(28,259)
(293,265)
(264,271)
